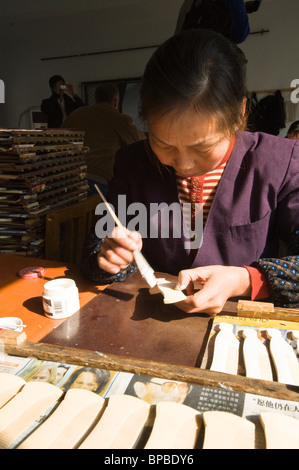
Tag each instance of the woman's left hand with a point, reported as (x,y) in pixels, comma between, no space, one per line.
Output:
(217,284)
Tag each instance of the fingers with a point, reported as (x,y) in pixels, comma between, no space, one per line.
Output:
(190,279)
(203,301)
(213,291)
(70,88)
(218,283)
(117,251)
(114,259)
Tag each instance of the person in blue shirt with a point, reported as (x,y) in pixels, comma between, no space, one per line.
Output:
(227,17)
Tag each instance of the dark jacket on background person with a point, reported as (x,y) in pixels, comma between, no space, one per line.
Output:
(50,107)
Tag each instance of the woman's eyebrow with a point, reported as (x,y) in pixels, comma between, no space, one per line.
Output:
(203,143)
(159,140)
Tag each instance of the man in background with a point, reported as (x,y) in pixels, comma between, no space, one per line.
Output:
(106,131)
(61,103)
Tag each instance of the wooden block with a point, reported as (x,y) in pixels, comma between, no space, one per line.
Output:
(226,351)
(12,337)
(253,306)
(256,357)
(176,426)
(295,336)
(284,358)
(281,431)
(24,409)
(121,424)
(227,431)
(69,423)
(10,384)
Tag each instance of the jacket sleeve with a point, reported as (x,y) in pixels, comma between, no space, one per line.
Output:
(282,275)
(91,269)
(43,107)
(282,272)
(46,107)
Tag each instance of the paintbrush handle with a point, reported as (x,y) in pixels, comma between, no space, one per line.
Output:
(145,269)
(112,213)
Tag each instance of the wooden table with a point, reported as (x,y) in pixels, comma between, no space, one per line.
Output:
(22,298)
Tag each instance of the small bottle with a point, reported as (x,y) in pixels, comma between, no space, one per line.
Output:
(60,298)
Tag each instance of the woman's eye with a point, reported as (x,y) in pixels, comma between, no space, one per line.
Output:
(203,149)
(165,148)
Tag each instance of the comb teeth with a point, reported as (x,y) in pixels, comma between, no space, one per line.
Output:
(69,423)
(9,386)
(281,431)
(121,424)
(24,409)
(227,431)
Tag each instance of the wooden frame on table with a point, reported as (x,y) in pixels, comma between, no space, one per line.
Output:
(194,375)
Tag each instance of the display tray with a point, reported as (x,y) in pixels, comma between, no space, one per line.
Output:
(176,410)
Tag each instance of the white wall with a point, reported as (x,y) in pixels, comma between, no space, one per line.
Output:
(116,25)
(35,29)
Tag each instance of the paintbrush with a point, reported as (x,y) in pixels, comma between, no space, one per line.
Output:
(144,267)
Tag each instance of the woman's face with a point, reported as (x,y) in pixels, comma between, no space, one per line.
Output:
(187,142)
(85,380)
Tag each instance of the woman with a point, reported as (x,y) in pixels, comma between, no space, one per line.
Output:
(192,99)
(88,378)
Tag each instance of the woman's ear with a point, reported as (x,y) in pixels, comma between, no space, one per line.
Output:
(244,104)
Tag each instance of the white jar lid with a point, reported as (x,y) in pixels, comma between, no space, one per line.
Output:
(58,286)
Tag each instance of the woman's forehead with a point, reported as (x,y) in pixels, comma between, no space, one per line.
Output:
(187,126)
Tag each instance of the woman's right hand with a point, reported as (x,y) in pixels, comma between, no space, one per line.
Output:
(116,252)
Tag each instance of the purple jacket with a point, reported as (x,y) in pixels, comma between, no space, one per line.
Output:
(256,204)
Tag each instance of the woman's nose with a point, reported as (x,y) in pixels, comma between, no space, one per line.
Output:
(183,161)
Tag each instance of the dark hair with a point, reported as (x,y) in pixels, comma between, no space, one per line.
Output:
(196,69)
(293,130)
(56,78)
(102,377)
(106,92)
